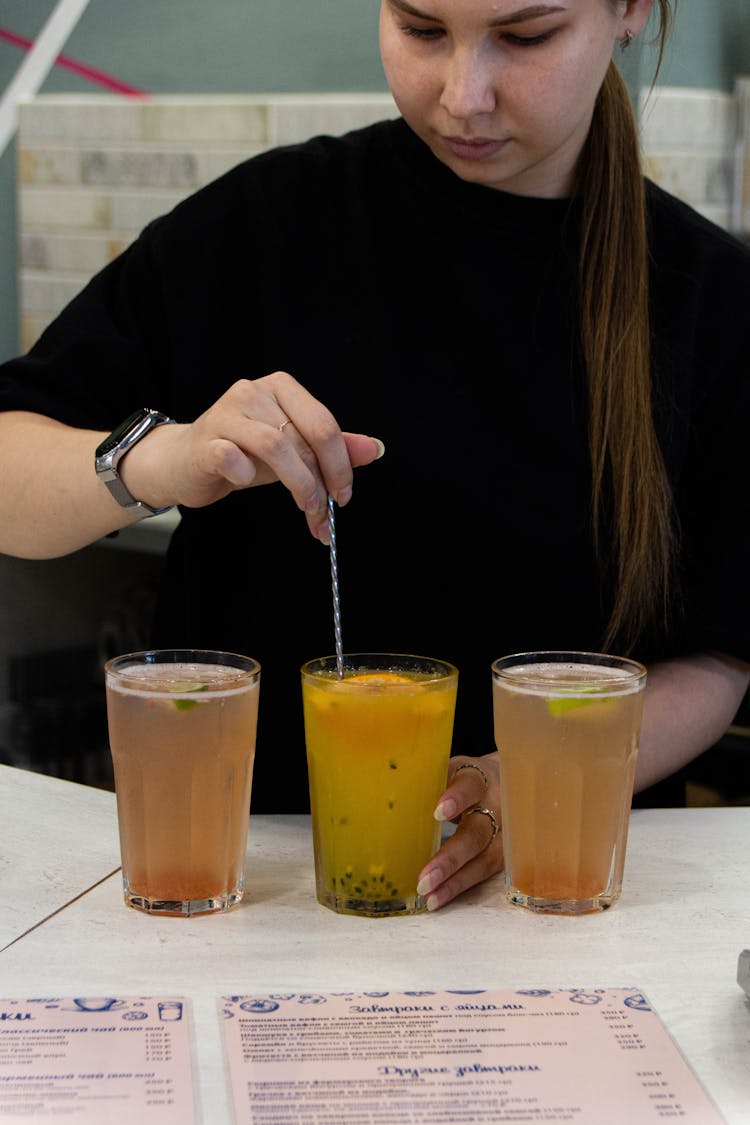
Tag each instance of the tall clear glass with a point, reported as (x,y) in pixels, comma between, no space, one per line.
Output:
(567,726)
(182,727)
(378,743)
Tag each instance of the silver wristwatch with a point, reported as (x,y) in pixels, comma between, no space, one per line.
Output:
(113,449)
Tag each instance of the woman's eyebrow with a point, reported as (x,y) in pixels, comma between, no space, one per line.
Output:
(408,10)
(533,11)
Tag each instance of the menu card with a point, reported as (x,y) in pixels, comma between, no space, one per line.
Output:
(94,1059)
(533,1055)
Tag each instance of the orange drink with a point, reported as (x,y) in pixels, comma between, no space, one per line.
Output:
(182,737)
(566,729)
(378,742)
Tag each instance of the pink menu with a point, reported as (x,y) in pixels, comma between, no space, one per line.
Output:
(587,1056)
(94,1059)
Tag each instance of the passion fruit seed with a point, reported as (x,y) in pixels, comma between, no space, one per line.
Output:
(373,886)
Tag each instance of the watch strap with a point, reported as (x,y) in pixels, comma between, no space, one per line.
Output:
(112,450)
(125,498)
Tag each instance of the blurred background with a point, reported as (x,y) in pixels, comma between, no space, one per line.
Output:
(122,110)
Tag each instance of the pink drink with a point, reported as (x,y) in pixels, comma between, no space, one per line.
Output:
(182,736)
(566,727)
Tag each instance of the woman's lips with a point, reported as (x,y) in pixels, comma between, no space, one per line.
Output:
(473,148)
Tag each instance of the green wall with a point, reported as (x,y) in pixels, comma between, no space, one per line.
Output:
(259,46)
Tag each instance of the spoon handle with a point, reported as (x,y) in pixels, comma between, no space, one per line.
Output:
(335,591)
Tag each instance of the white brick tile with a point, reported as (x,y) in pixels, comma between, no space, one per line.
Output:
(34,252)
(31,327)
(742,170)
(57,117)
(692,175)
(132,211)
(138,169)
(47,293)
(186,167)
(58,210)
(718,214)
(81,253)
(211,164)
(680,118)
(45,165)
(206,120)
(292,120)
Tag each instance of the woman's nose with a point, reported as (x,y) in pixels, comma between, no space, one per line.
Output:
(468,86)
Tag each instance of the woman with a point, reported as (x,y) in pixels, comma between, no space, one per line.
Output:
(548,347)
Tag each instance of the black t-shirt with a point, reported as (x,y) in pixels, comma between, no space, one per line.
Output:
(441,317)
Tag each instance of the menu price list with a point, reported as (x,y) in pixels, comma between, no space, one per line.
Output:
(90,1059)
(452,1057)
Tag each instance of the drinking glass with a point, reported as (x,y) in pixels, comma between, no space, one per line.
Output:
(378,742)
(567,726)
(182,729)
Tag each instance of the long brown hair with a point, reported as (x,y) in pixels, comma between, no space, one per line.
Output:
(628,470)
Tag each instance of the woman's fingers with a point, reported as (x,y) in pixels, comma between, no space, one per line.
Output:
(469,779)
(458,866)
(363,450)
(475,850)
(265,430)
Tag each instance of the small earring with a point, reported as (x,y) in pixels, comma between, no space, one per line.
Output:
(627,39)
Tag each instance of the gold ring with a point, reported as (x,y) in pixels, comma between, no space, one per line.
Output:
(490,814)
(284,423)
(472,766)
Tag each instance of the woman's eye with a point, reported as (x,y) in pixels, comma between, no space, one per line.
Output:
(527,40)
(421,32)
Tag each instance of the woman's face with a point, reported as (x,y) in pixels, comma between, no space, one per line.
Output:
(503,91)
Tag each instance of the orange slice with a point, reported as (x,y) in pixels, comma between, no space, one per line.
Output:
(380,678)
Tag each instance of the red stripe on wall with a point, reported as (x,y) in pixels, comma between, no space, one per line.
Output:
(108,81)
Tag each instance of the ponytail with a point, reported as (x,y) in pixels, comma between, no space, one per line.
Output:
(628,472)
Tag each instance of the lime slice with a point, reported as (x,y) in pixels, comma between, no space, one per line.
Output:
(182,688)
(562,706)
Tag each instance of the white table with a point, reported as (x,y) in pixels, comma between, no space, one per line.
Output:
(58,840)
(676,933)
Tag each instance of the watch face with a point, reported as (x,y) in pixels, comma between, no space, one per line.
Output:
(117,435)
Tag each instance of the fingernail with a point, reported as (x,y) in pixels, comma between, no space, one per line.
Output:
(381,448)
(446,810)
(432,903)
(427,882)
(344,496)
(323,533)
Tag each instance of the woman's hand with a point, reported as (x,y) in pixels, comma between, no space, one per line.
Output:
(475,850)
(259,431)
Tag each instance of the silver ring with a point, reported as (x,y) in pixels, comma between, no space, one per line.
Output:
(284,423)
(490,814)
(472,766)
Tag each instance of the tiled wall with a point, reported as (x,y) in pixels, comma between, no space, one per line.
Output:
(691,141)
(93,170)
(741,212)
